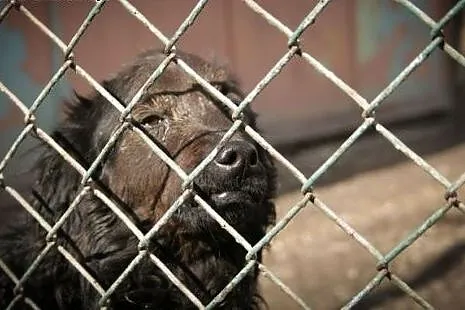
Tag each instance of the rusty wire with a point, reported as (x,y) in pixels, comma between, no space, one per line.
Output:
(368,120)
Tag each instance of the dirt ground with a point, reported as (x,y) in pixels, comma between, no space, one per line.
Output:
(326,267)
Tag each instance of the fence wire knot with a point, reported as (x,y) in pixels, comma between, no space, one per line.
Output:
(88,186)
(452,198)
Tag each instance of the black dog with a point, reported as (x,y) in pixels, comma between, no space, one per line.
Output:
(187,123)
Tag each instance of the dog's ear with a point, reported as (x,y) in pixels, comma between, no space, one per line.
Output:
(56,183)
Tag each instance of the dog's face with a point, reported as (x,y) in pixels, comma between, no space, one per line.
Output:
(187,123)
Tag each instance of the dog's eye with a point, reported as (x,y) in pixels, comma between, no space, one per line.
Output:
(150,120)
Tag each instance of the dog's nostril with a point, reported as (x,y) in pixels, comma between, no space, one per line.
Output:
(228,157)
(253,158)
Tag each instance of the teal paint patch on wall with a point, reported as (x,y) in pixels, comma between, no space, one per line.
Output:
(12,55)
(62,89)
(389,38)
(377,21)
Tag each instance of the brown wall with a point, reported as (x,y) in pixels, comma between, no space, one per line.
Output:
(365,43)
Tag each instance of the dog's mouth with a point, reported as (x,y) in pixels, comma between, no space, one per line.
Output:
(233,198)
(237,204)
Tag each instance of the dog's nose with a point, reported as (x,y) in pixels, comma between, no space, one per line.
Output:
(236,157)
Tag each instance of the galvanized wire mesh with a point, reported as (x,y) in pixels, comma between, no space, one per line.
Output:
(368,120)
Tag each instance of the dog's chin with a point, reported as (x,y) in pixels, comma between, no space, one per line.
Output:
(237,208)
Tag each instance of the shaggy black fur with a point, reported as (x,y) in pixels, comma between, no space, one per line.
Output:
(187,123)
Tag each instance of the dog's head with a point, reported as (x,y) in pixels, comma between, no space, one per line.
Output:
(186,123)
(183,120)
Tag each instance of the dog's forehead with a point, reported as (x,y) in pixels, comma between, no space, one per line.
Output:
(128,81)
(194,104)
(175,78)
(175,93)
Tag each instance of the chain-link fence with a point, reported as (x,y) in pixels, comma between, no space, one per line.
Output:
(368,120)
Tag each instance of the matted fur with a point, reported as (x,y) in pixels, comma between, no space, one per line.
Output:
(187,123)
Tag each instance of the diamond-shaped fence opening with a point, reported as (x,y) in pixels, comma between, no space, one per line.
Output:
(367,120)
